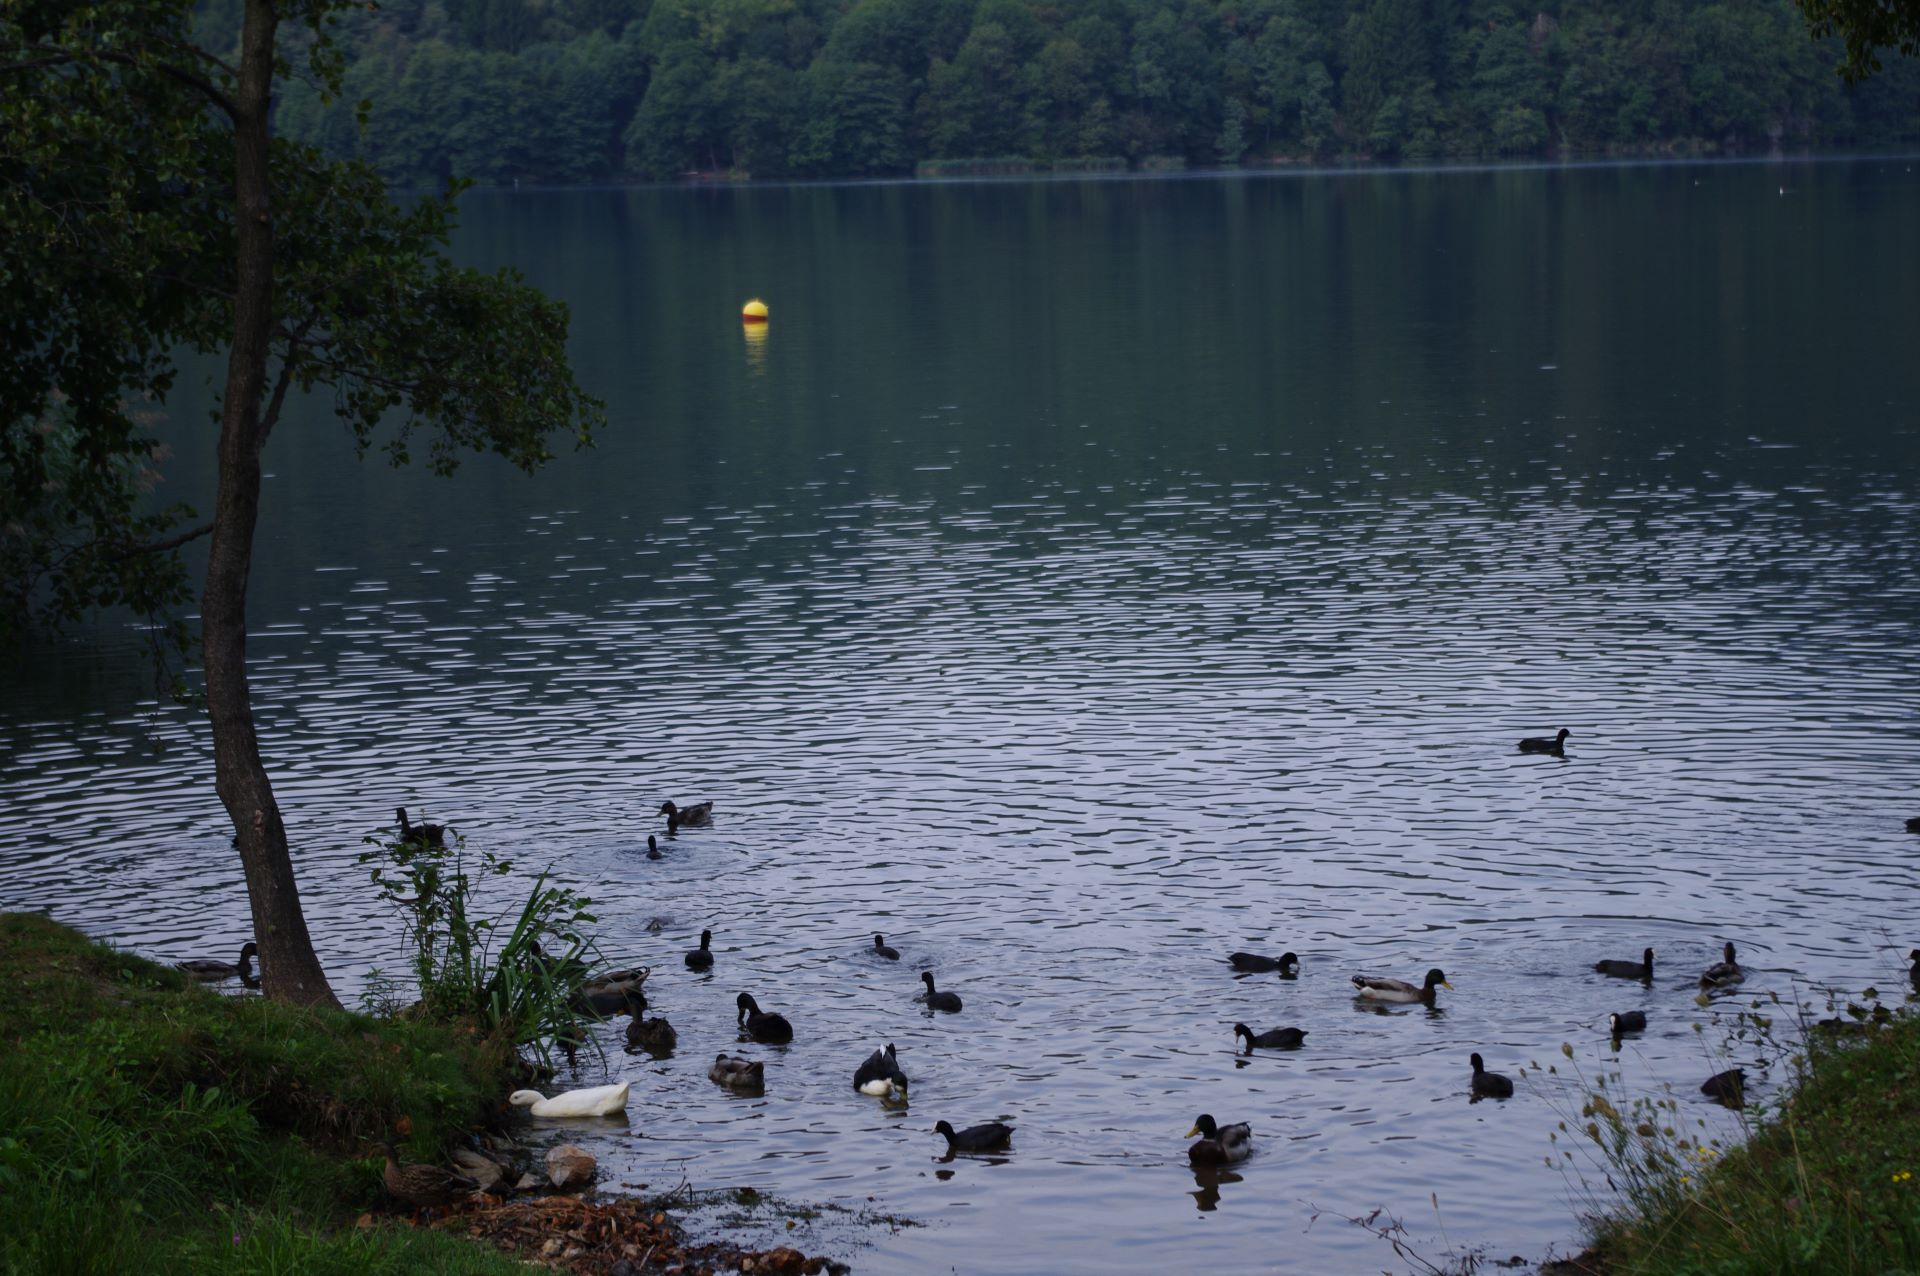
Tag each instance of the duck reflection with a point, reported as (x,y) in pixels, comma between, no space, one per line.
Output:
(1208,1181)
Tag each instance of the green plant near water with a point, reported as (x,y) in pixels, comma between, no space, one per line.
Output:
(1823,1180)
(515,972)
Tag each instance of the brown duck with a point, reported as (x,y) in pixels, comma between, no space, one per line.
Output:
(423,1186)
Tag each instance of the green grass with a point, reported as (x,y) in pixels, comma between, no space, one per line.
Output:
(1829,1182)
(148,1124)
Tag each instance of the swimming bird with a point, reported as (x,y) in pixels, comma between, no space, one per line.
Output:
(1729,1088)
(618,992)
(990,1137)
(1371,988)
(879,1073)
(1284,963)
(1641,970)
(1556,745)
(655,1036)
(1489,1085)
(769,1028)
(434,835)
(736,1073)
(599,1100)
(1219,1144)
(423,1186)
(210,969)
(1723,973)
(880,946)
(701,958)
(1627,1021)
(653,848)
(1914,974)
(1913,825)
(1272,1039)
(939,1000)
(699,815)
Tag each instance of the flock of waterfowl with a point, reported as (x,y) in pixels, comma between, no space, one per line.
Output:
(880,1074)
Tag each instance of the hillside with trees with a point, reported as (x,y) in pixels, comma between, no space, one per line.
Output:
(569,91)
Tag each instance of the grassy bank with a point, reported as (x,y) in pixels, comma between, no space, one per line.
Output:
(1827,1182)
(150,1125)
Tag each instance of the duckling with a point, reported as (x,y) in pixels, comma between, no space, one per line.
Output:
(1627,1021)
(1370,988)
(655,1036)
(423,1186)
(598,1100)
(990,1137)
(434,835)
(210,970)
(701,958)
(1728,1089)
(1556,745)
(947,1001)
(880,946)
(1724,973)
(618,992)
(699,815)
(1285,963)
(1272,1039)
(653,848)
(737,1074)
(879,1074)
(1489,1085)
(1641,970)
(1219,1144)
(769,1028)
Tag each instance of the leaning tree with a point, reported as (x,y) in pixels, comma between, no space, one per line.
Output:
(146,208)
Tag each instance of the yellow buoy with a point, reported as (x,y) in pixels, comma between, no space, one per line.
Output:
(754,311)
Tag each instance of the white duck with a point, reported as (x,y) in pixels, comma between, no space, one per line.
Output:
(599,1100)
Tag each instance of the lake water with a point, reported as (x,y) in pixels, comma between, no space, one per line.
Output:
(1080,581)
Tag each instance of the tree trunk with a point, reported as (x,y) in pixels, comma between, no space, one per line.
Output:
(289,970)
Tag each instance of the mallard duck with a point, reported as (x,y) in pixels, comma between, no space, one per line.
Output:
(211,970)
(1272,1039)
(618,992)
(1219,1144)
(1627,1021)
(423,1186)
(1723,973)
(990,1137)
(655,1036)
(1489,1085)
(1641,970)
(879,1073)
(736,1073)
(1728,1089)
(701,958)
(1556,745)
(434,835)
(768,1028)
(880,946)
(1284,963)
(599,1100)
(653,848)
(699,815)
(1370,988)
(936,1000)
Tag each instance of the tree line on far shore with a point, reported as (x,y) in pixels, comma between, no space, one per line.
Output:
(572,91)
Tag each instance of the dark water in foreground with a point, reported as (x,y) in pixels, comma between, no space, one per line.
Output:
(1082,581)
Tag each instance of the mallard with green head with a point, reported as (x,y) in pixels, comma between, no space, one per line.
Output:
(1399,991)
(1219,1144)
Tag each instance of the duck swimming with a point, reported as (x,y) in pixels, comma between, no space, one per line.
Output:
(946,1001)
(701,958)
(1729,1088)
(1627,1021)
(1399,991)
(1723,973)
(1642,969)
(1489,1085)
(879,1074)
(434,835)
(880,946)
(653,848)
(699,815)
(768,1028)
(1556,745)
(211,970)
(1272,1039)
(618,992)
(736,1073)
(990,1137)
(1219,1144)
(655,1036)
(1284,963)
(599,1100)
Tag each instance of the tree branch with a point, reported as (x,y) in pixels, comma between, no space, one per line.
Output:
(171,542)
(60,57)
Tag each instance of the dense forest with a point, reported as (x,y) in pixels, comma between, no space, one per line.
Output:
(562,91)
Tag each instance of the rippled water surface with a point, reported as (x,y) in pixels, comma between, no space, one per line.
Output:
(1079,582)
